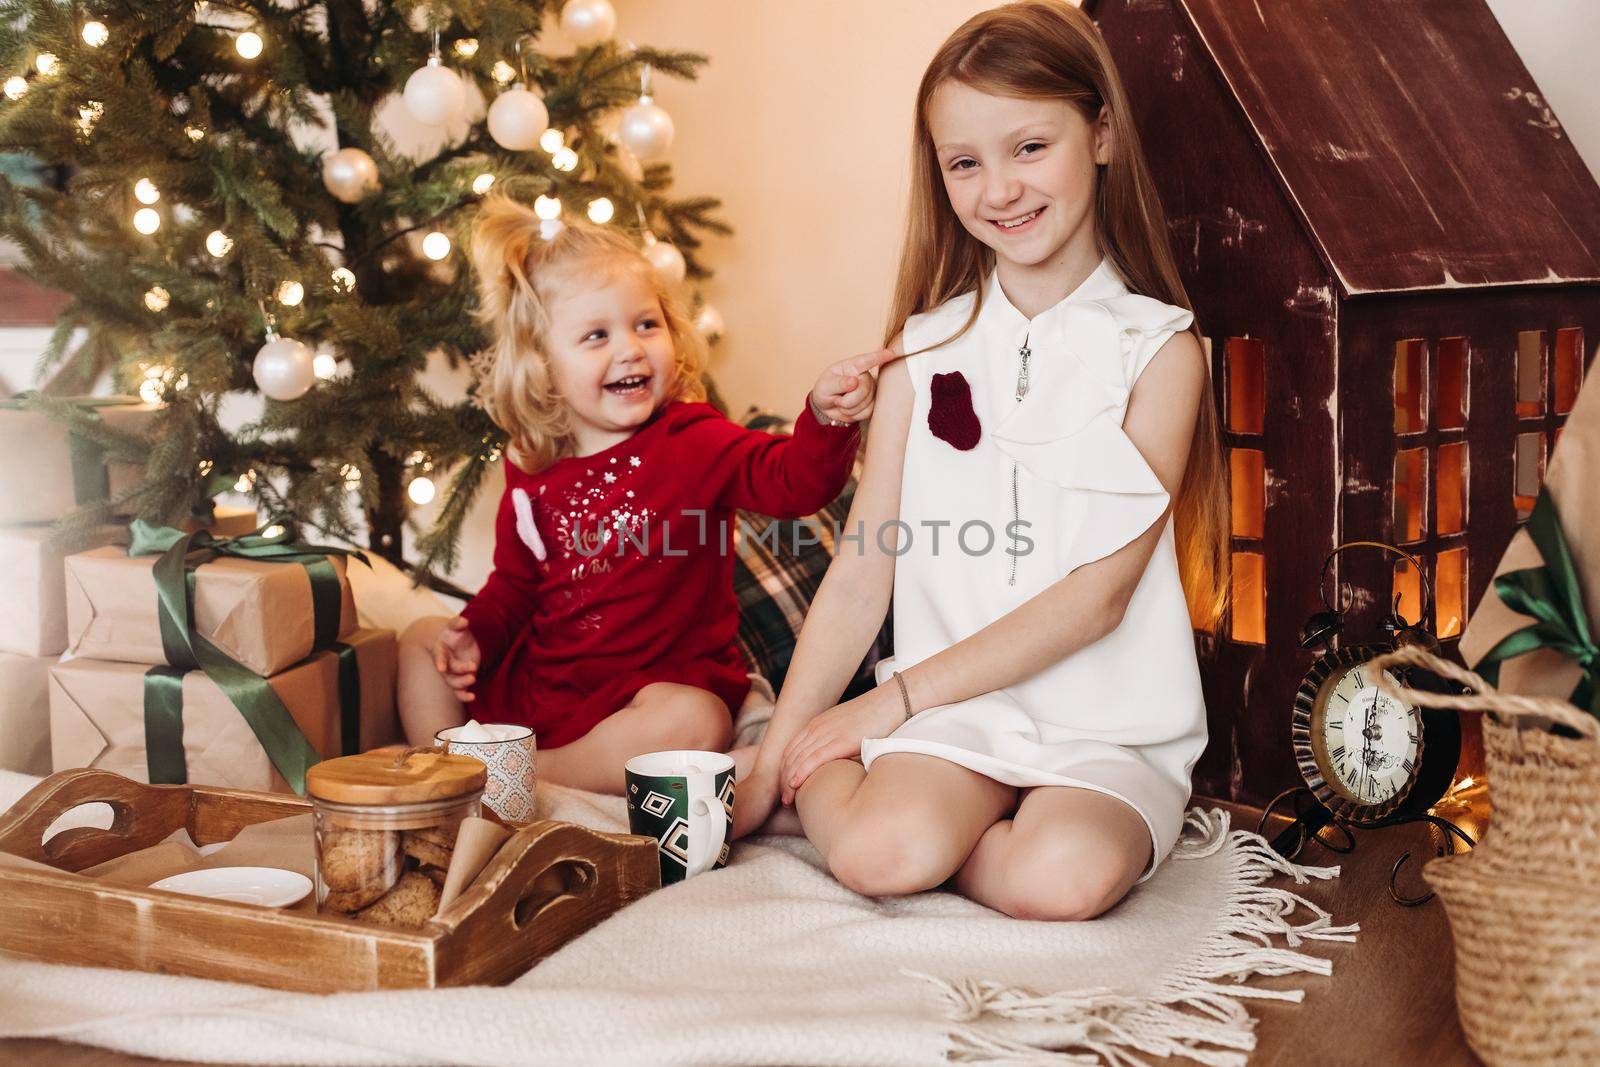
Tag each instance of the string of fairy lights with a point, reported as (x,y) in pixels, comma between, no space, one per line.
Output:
(435,96)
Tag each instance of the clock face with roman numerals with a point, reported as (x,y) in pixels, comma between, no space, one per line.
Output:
(1359,749)
(1370,740)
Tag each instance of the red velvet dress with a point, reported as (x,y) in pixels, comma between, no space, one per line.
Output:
(636,581)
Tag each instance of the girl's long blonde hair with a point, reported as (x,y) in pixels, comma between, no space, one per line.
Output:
(1050,49)
(518,270)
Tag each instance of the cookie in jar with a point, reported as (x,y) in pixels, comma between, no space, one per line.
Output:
(386,824)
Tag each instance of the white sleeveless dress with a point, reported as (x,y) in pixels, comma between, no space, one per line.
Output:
(1123,716)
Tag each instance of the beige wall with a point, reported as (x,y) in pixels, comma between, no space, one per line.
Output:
(801,124)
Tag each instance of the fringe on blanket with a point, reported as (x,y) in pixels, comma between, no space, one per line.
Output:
(1194,1014)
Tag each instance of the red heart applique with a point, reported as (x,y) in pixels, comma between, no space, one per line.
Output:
(950,413)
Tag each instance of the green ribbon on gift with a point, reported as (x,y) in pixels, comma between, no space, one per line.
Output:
(1553,596)
(187,649)
(91,479)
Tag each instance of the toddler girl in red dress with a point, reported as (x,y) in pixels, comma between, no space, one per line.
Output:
(608,622)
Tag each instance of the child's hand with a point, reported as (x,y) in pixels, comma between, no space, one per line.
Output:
(837,734)
(845,391)
(757,796)
(456,656)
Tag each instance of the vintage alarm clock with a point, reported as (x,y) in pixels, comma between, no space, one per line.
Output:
(1367,757)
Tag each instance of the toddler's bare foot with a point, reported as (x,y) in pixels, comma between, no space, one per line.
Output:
(744,762)
(783,820)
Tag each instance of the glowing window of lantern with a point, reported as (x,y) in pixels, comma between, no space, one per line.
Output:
(1529,472)
(1530,374)
(1247,384)
(1406,597)
(1248,468)
(1568,368)
(1450,487)
(1409,412)
(1249,598)
(1450,381)
(1450,592)
(1410,490)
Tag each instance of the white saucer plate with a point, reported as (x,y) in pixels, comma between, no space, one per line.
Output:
(270,887)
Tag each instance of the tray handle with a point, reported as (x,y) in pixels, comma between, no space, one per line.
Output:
(549,882)
(142,815)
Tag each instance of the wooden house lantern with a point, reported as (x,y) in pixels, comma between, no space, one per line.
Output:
(1394,252)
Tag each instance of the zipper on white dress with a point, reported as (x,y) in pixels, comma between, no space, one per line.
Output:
(1016,499)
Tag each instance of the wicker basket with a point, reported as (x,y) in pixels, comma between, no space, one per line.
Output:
(1524,906)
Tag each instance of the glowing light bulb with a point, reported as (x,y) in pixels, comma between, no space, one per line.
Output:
(552,140)
(249,44)
(565,159)
(420,490)
(467,47)
(195,133)
(324,366)
(275,530)
(482,183)
(344,279)
(157,298)
(147,220)
(46,63)
(351,475)
(95,34)
(150,391)
(290,293)
(504,72)
(16,87)
(601,210)
(145,191)
(246,482)
(218,243)
(547,207)
(205,468)
(436,245)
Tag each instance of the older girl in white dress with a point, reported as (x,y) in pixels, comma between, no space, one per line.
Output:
(1043,495)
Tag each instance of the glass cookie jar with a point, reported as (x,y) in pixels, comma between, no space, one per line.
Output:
(386,824)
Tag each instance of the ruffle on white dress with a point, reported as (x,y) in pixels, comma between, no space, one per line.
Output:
(1123,716)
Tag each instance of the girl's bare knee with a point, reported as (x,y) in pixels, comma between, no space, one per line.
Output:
(690,718)
(888,854)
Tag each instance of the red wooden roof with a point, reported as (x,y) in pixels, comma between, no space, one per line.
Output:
(1410,138)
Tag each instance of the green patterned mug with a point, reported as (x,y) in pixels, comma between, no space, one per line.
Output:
(684,800)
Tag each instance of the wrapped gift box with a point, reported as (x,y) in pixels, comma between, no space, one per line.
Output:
(1573,485)
(46,471)
(25,713)
(225,522)
(258,613)
(97,715)
(33,612)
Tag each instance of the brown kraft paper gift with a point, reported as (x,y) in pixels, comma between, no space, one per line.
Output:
(25,713)
(97,715)
(258,613)
(1573,482)
(33,611)
(36,460)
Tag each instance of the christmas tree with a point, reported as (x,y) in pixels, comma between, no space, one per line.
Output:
(228,214)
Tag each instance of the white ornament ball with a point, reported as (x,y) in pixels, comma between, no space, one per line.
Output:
(350,175)
(646,129)
(284,369)
(710,323)
(588,22)
(666,261)
(517,118)
(434,94)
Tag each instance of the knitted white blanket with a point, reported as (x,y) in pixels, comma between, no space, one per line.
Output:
(771,962)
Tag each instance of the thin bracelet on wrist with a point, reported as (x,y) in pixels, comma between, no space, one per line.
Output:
(816,413)
(904,695)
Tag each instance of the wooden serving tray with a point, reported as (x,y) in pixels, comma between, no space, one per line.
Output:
(491,934)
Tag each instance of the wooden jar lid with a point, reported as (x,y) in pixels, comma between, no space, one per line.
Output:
(381,777)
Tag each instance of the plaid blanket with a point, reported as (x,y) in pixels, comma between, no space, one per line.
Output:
(776,575)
